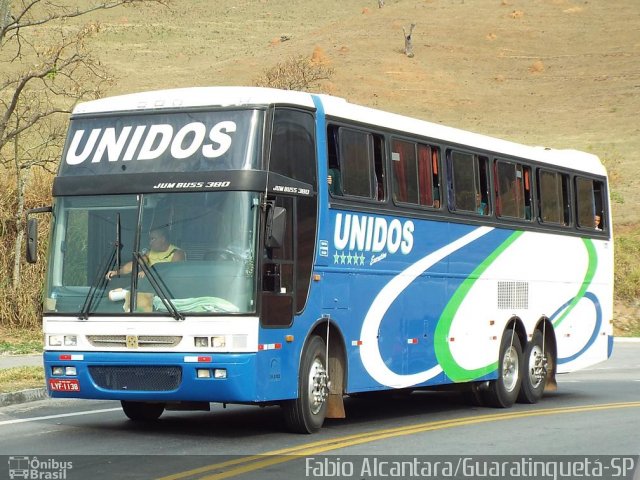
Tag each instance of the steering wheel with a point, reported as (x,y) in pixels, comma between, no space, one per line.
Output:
(223,254)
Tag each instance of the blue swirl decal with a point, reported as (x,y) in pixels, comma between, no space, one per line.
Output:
(596,327)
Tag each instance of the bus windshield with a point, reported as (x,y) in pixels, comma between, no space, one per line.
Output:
(179,253)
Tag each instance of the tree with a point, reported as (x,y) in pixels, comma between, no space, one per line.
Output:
(408,40)
(45,69)
(295,73)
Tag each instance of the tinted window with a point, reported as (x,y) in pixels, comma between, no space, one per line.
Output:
(589,203)
(553,192)
(469,183)
(355,163)
(513,190)
(415,173)
(293,152)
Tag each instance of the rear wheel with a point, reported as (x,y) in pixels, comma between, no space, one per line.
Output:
(142,411)
(306,413)
(503,391)
(534,371)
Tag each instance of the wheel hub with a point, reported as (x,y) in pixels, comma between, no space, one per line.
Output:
(510,369)
(318,386)
(537,367)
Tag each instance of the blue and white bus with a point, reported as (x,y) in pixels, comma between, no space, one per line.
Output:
(326,249)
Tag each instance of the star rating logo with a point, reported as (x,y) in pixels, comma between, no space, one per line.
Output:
(349,258)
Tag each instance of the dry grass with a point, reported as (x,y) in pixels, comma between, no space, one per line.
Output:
(22,307)
(21,378)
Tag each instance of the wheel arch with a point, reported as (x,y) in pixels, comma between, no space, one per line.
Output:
(545,327)
(515,322)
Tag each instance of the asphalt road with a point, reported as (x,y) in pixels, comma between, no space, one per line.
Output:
(594,412)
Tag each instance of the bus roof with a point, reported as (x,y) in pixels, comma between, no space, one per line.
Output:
(199,97)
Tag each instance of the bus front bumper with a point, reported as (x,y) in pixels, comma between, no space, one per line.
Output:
(160,377)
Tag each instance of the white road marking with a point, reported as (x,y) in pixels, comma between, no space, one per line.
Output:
(62,415)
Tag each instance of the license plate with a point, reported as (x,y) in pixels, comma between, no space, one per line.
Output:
(59,385)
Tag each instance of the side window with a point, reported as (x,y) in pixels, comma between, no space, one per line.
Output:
(278,275)
(415,173)
(553,194)
(469,183)
(513,190)
(589,203)
(293,152)
(356,163)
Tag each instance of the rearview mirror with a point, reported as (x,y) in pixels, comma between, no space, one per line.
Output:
(275,228)
(32,233)
(32,240)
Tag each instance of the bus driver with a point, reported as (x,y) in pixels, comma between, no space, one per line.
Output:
(160,250)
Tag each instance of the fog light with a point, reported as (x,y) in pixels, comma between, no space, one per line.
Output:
(57,370)
(220,373)
(218,342)
(71,371)
(201,342)
(203,373)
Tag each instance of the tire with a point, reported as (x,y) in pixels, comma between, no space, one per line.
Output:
(306,413)
(142,411)
(503,391)
(534,371)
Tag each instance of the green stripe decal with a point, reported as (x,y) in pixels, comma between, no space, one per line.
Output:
(588,278)
(445,358)
(443,353)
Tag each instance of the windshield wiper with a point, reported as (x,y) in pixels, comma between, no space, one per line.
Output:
(100,282)
(158,285)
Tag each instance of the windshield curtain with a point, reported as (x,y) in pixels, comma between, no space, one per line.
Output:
(192,253)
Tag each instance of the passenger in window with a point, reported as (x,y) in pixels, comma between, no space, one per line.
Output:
(481,206)
(160,250)
(436,197)
(597,220)
(334,181)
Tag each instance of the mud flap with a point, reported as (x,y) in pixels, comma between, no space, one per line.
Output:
(335,406)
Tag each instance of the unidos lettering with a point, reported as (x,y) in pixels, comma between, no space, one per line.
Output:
(142,142)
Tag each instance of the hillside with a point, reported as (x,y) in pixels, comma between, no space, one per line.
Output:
(558,73)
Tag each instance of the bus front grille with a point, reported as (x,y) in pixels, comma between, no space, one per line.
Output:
(134,378)
(144,341)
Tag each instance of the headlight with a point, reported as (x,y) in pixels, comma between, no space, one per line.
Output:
(218,342)
(201,342)
(60,340)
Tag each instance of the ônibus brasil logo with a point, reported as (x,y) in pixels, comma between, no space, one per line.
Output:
(35,468)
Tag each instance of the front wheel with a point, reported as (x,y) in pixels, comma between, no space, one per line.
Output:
(503,391)
(306,413)
(535,370)
(142,411)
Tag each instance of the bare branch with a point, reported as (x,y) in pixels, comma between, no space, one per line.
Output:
(45,70)
(62,12)
(295,73)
